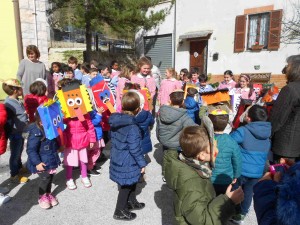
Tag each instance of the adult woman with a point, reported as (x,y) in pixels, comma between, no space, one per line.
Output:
(285,116)
(30,69)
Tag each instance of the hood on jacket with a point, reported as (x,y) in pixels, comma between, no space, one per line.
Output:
(260,130)
(190,103)
(142,116)
(118,120)
(169,114)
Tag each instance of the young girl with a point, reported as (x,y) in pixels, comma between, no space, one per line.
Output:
(167,86)
(124,77)
(126,158)
(43,159)
(228,81)
(144,78)
(183,75)
(53,78)
(38,96)
(244,88)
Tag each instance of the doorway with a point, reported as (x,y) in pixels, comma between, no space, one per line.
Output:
(198,55)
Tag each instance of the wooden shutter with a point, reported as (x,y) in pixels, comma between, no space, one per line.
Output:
(275,29)
(240,32)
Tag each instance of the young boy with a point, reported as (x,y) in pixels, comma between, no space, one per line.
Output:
(68,73)
(85,69)
(106,74)
(194,77)
(204,87)
(254,142)
(228,162)
(73,63)
(191,105)
(16,122)
(188,174)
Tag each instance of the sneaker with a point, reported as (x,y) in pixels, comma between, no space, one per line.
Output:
(238,219)
(135,205)
(44,202)
(4,190)
(124,215)
(98,168)
(53,200)
(4,198)
(71,185)
(93,173)
(19,179)
(86,182)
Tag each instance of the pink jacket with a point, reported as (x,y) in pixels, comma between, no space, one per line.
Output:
(139,79)
(230,85)
(245,93)
(79,135)
(120,87)
(167,86)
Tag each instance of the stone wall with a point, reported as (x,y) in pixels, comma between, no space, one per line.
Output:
(34,26)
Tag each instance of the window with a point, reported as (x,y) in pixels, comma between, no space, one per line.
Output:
(258,29)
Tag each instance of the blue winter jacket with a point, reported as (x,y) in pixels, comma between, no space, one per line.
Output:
(96,120)
(145,119)
(228,163)
(192,107)
(41,149)
(254,141)
(126,157)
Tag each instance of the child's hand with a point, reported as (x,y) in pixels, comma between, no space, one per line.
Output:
(100,110)
(143,170)
(237,196)
(268,176)
(204,103)
(40,167)
(92,145)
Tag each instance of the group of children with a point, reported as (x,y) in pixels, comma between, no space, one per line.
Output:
(192,150)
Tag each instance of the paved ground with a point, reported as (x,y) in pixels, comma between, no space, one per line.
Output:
(93,205)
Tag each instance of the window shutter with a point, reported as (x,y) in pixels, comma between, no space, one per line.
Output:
(240,32)
(275,29)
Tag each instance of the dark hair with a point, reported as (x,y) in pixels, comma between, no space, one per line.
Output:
(85,67)
(55,63)
(37,119)
(148,57)
(129,86)
(203,78)
(33,48)
(194,70)
(192,140)
(228,72)
(93,70)
(68,69)
(219,121)
(9,90)
(63,82)
(113,62)
(176,98)
(130,103)
(38,88)
(293,68)
(258,113)
(247,78)
(184,70)
(191,91)
(72,60)
(103,67)
(95,63)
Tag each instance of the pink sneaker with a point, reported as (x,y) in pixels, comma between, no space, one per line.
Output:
(53,200)
(44,202)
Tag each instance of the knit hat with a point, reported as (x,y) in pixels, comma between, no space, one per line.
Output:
(12,82)
(42,80)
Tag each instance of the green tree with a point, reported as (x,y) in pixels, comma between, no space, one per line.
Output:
(125,17)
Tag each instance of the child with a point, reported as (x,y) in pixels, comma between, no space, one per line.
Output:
(53,78)
(43,159)
(38,96)
(106,74)
(171,119)
(16,122)
(167,86)
(254,142)
(124,77)
(244,88)
(126,158)
(93,73)
(188,174)
(228,162)
(73,63)
(204,87)
(84,69)
(79,135)
(228,81)
(194,77)
(183,75)
(144,79)
(69,73)
(191,105)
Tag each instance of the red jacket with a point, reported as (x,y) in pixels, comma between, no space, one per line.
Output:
(79,135)
(31,102)
(3,139)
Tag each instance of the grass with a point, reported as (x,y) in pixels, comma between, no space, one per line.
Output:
(76,53)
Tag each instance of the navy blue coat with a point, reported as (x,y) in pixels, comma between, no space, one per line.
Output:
(145,120)
(96,120)
(41,149)
(192,108)
(126,157)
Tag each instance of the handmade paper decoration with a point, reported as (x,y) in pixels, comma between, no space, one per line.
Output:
(52,119)
(103,95)
(74,100)
(241,108)
(257,89)
(213,97)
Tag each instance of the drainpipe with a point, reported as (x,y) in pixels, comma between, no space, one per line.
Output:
(35,22)
(18,29)
(174,36)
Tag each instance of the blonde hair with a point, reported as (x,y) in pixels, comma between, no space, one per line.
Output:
(173,72)
(143,61)
(125,71)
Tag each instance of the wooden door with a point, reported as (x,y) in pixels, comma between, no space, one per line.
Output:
(198,55)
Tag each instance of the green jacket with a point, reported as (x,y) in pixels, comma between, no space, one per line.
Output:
(195,200)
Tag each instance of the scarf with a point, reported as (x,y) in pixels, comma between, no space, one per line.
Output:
(202,168)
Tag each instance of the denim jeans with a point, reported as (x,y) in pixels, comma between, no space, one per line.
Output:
(247,186)
(16,149)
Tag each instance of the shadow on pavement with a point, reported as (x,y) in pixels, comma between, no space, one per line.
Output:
(158,153)
(164,201)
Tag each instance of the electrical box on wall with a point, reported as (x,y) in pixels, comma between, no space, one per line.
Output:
(215,56)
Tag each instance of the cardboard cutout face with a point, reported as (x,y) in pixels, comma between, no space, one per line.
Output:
(52,119)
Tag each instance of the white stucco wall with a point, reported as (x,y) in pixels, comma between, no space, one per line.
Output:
(219,16)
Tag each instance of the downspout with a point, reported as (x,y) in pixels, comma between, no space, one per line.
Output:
(18,29)
(174,36)
(35,22)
